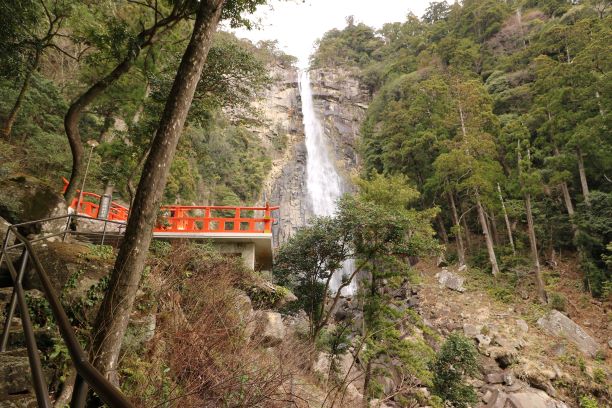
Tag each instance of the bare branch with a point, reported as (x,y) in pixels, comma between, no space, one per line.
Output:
(57,48)
(47,13)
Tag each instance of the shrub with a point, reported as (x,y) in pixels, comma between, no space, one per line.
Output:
(203,353)
(456,359)
(557,302)
(586,401)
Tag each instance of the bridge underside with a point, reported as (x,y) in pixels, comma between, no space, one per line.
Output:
(255,249)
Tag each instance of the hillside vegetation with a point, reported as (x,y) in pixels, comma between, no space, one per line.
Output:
(477,236)
(53,51)
(499,113)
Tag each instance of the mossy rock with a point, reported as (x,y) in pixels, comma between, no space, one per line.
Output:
(25,198)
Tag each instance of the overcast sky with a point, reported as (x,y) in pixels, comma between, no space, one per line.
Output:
(297,24)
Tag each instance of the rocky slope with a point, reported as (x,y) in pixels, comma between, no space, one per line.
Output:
(530,356)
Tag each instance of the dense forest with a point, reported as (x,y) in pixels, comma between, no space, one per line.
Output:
(498,112)
(476,233)
(55,52)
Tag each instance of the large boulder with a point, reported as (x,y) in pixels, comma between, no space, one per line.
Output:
(450,280)
(270,328)
(556,323)
(24,198)
(527,398)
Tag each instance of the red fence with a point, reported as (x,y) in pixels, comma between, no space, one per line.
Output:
(213,219)
(90,205)
(189,219)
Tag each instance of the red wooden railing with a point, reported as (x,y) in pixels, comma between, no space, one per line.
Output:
(90,205)
(188,219)
(215,219)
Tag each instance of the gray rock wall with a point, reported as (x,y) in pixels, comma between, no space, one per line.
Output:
(341,104)
(281,110)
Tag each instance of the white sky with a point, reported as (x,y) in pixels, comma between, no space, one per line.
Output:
(297,24)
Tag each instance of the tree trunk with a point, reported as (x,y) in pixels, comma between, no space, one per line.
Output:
(65,396)
(7,128)
(508,227)
(466,230)
(487,236)
(365,402)
(534,250)
(112,319)
(73,116)
(566,195)
(455,217)
(493,228)
(583,179)
(442,229)
(71,121)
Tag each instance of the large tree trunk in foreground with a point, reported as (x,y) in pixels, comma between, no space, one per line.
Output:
(113,317)
(458,237)
(534,250)
(487,236)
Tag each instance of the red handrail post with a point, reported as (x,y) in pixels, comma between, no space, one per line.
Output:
(237,219)
(207,219)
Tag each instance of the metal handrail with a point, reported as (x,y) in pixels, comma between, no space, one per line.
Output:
(87,374)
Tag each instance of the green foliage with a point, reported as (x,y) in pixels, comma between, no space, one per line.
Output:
(335,343)
(469,96)
(306,262)
(40,311)
(594,223)
(587,401)
(599,375)
(104,252)
(267,298)
(557,301)
(455,360)
(356,45)
(219,160)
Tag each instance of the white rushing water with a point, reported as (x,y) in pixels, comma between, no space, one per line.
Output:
(323,182)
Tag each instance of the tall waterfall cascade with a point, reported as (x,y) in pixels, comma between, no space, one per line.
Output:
(323,182)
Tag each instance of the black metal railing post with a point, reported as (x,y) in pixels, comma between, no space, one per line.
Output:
(13,302)
(67,227)
(79,394)
(38,378)
(110,394)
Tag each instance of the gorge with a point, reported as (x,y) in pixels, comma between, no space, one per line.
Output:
(476,134)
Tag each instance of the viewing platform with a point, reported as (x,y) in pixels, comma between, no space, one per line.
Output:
(244,231)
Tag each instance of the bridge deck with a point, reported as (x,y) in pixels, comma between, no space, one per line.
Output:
(244,230)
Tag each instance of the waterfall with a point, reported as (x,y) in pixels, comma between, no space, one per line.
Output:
(323,181)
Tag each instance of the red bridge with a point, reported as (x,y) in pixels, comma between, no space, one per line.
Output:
(233,229)
(189,219)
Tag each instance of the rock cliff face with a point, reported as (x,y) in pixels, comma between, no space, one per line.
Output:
(282,128)
(340,103)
